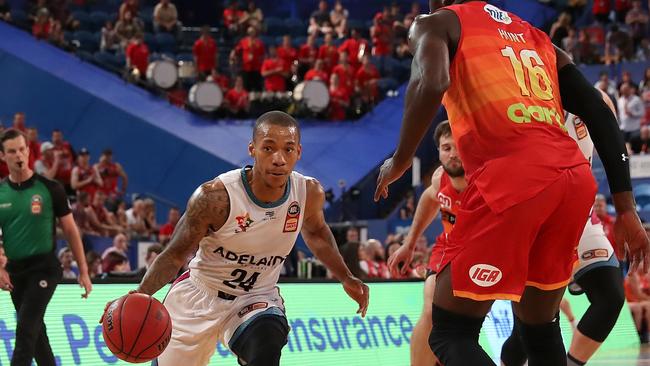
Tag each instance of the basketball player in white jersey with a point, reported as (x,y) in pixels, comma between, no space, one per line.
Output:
(597,274)
(242,226)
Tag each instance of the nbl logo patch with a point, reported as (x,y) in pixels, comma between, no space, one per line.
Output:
(497,14)
(293,216)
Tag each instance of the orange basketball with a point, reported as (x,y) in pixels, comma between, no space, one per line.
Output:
(136,328)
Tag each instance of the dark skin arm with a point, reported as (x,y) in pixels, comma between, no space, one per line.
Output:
(207,210)
(321,242)
(431,39)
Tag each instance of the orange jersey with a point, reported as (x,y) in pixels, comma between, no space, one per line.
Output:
(504,106)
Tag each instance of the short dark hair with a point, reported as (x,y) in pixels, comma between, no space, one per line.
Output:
(443,130)
(154,248)
(107,152)
(277,118)
(10,134)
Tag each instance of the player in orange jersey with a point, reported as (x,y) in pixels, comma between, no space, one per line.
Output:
(447,185)
(529,189)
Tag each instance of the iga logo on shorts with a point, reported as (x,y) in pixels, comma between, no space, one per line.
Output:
(485,275)
(497,14)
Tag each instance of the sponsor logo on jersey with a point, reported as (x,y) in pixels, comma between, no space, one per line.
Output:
(445,201)
(5,205)
(269,215)
(581,129)
(497,14)
(244,222)
(485,275)
(595,253)
(521,113)
(37,204)
(293,216)
(252,307)
(248,259)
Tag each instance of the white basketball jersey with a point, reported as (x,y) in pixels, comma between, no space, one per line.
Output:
(578,131)
(247,253)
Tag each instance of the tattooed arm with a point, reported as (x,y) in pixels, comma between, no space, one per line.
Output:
(207,210)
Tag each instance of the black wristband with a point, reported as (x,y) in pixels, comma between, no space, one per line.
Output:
(583,100)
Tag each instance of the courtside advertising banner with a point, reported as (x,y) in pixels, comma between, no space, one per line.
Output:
(324,327)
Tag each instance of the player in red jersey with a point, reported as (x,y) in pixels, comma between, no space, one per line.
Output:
(504,87)
(447,184)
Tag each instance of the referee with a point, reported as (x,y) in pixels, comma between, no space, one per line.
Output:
(29,207)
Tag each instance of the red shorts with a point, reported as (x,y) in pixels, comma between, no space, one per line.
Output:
(437,252)
(533,243)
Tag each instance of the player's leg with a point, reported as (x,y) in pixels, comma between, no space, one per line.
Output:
(421,354)
(261,343)
(512,351)
(637,314)
(565,308)
(604,289)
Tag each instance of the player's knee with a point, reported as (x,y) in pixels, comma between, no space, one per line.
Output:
(543,343)
(452,334)
(262,342)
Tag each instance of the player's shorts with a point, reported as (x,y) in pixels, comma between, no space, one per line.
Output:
(201,317)
(533,243)
(594,250)
(437,253)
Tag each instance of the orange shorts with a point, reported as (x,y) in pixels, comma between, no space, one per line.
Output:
(533,243)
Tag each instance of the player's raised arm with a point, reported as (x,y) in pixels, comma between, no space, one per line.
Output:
(583,100)
(429,41)
(321,242)
(207,210)
(426,210)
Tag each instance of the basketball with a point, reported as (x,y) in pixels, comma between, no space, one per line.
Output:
(136,328)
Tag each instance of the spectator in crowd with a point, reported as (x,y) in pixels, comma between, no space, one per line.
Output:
(621,8)
(626,78)
(352,234)
(273,72)
(374,263)
(287,53)
(135,217)
(165,18)
(643,53)
(219,79)
(586,51)
(601,10)
(49,162)
(645,139)
(130,6)
(252,16)
(5,12)
(232,17)
(102,221)
(381,34)
(366,81)
(120,246)
(94,261)
(636,293)
(318,18)
(644,85)
(150,217)
(167,229)
(637,20)
(33,144)
(571,45)
(339,19)
(408,210)
(65,257)
(152,252)
(415,10)
(356,47)
(318,72)
(328,53)
(307,55)
(3,258)
(631,111)
(353,253)
(339,99)
(606,85)
(600,210)
(560,29)
(111,172)
(345,72)
(619,45)
(137,56)
(42,25)
(236,99)
(250,52)
(81,215)
(205,53)
(115,262)
(110,41)
(34,8)
(19,122)
(57,37)
(395,13)
(85,177)
(120,214)
(127,28)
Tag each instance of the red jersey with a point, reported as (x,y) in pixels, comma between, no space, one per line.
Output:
(274,82)
(231,16)
(329,55)
(288,56)
(251,52)
(222,81)
(314,74)
(346,75)
(110,173)
(41,30)
(352,47)
(381,40)
(339,98)
(205,51)
(365,75)
(505,108)
(138,54)
(85,173)
(601,6)
(65,166)
(167,229)
(237,99)
(307,52)
(449,199)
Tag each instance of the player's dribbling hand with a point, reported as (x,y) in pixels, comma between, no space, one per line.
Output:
(5,281)
(400,261)
(84,281)
(388,173)
(359,292)
(629,231)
